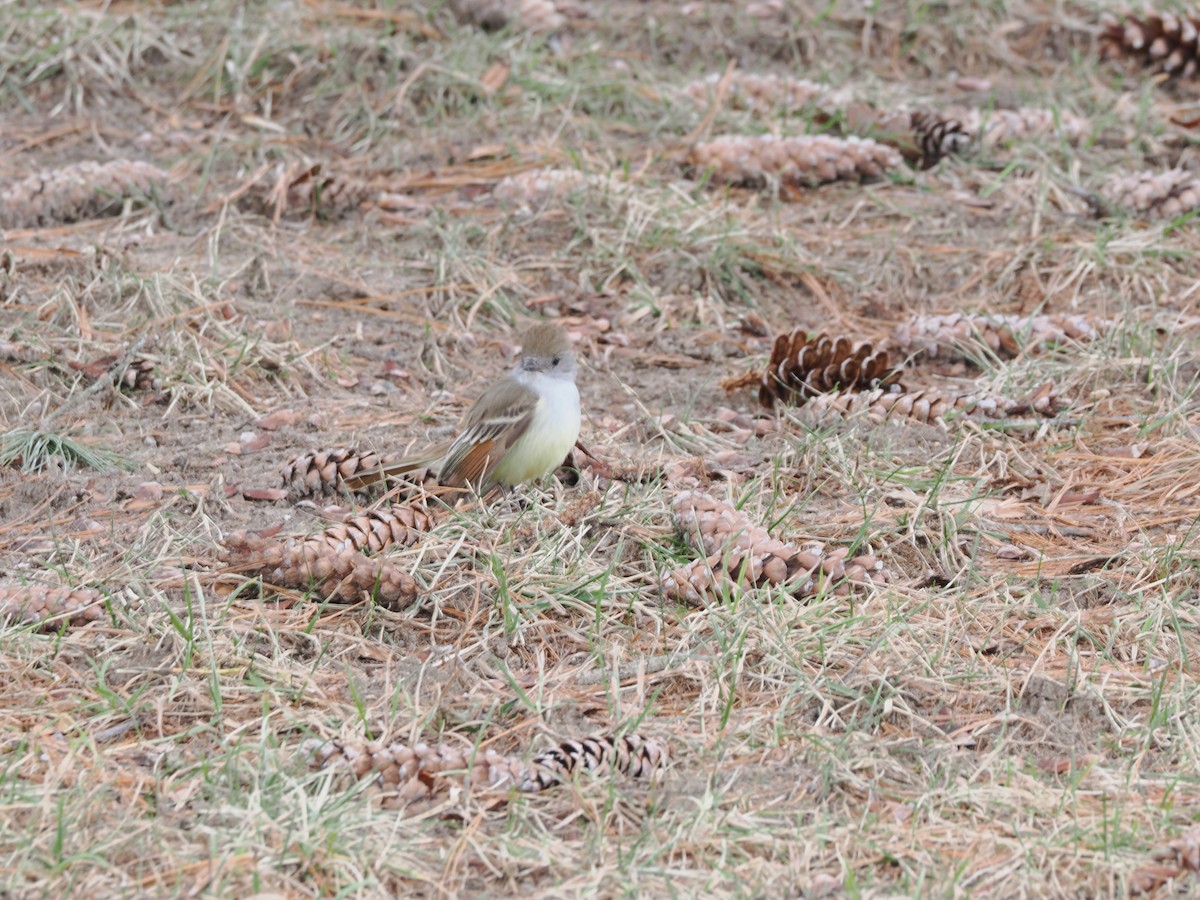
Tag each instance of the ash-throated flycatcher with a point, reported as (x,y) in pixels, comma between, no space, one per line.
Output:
(519,429)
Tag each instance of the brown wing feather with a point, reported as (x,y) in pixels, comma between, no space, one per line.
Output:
(472,466)
(497,420)
(427,458)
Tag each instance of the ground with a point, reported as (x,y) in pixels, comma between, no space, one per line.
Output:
(1011,715)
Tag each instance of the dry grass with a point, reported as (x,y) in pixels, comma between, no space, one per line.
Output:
(1011,716)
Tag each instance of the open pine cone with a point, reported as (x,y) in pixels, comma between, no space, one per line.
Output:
(738,553)
(49,605)
(304,188)
(84,190)
(802,367)
(1164,41)
(413,772)
(931,406)
(377,529)
(964,335)
(342,573)
(938,136)
(323,471)
(759,92)
(795,162)
(1156,195)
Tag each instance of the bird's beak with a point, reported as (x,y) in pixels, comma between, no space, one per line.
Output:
(529,364)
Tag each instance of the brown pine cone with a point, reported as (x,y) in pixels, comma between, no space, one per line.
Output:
(741,554)
(938,136)
(416,771)
(17,353)
(963,335)
(376,529)
(932,406)
(1166,41)
(49,605)
(538,186)
(323,471)
(1156,195)
(791,162)
(85,190)
(302,188)
(803,366)
(759,92)
(999,126)
(343,574)
(924,136)
(139,376)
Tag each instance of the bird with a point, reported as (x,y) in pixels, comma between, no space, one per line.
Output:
(521,427)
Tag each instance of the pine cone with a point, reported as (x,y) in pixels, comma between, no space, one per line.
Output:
(379,528)
(49,605)
(303,188)
(537,186)
(139,376)
(537,16)
(322,471)
(11,351)
(343,574)
(1156,195)
(85,190)
(959,335)
(802,367)
(1166,42)
(413,772)
(1000,126)
(791,162)
(938,136)
(932,406)
(761,93)
(926,136)
(740,554)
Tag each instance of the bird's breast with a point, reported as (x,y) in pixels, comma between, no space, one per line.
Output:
(550,436)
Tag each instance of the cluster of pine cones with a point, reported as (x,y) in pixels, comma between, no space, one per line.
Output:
(405,773)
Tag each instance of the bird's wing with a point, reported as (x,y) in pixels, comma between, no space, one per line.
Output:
(497,420)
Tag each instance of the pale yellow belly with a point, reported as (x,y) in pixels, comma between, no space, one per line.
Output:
(544,445)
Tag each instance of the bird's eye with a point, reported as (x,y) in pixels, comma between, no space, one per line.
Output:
(555,361)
